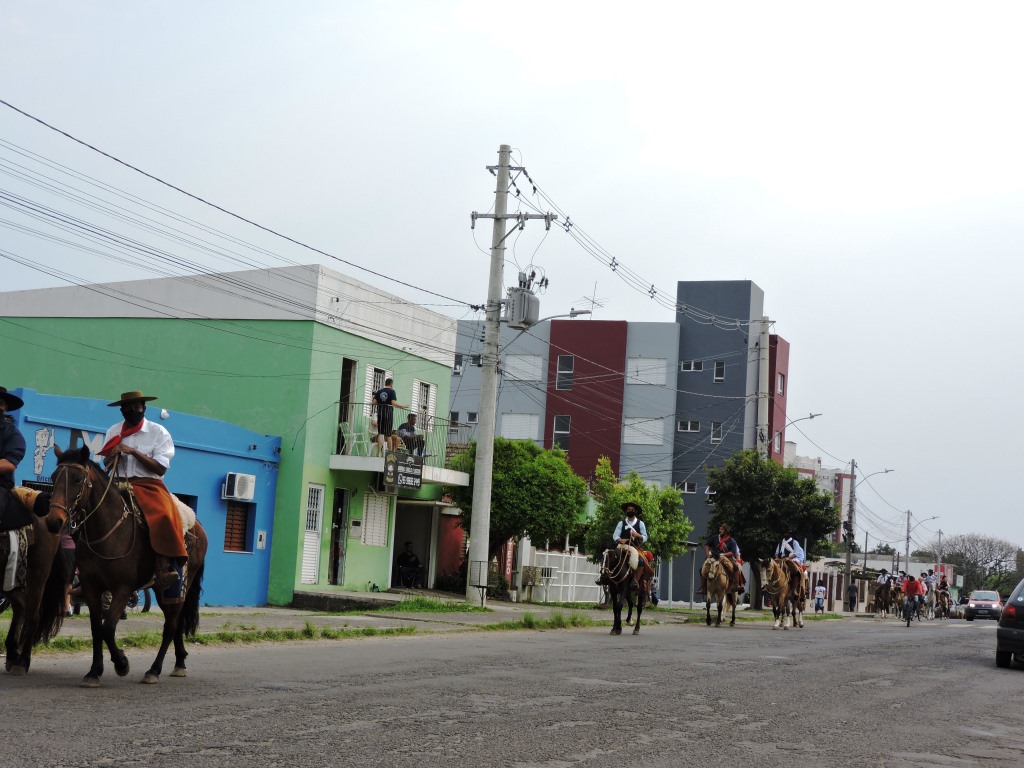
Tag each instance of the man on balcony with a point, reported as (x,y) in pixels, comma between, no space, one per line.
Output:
(407,431)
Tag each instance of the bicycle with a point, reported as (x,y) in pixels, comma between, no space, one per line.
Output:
(910,610)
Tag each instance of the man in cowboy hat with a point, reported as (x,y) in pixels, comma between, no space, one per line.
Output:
(723,545)
(139,451)
(12,446)
(631,532)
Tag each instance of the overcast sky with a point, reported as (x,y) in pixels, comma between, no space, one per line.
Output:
(861,162)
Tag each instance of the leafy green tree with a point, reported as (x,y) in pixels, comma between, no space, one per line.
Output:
(985,562)
(534,493)
(761,500)
(667,526)
(884,549)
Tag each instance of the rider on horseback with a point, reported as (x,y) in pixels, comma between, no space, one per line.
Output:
(631,532)
(140,451)
(723,545)
(789,549)
(12,451)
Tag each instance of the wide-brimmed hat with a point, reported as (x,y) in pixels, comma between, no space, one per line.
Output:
(13,401)
(728,528)
(639,509)
(127,397)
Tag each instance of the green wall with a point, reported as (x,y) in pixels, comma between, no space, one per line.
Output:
(275,377)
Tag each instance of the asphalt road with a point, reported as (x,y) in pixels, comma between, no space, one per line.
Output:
(837,693)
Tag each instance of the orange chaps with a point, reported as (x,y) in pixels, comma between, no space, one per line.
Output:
(166,534)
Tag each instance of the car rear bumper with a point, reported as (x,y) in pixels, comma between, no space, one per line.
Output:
(1010,639)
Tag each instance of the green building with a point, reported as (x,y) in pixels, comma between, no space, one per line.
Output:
(294,351)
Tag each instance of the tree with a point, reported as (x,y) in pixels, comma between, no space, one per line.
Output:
(885,549)
(985,562)
(534,493)
(667,526)
(761,500)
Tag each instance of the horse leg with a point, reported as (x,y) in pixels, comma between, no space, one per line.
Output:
(733,601)
(171,634)
(92,677)
(718,621)
(629,602)
(707,606)
(639,610)
(180,654)
(118,603)
(617,609)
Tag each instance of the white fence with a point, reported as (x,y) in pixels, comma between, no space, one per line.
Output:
(571,581)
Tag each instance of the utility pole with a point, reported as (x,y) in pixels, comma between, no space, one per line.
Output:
(939,553)
(849,524)
(763,392)
(480,529)
(907,552)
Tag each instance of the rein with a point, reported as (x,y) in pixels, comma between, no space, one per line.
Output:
(78,515)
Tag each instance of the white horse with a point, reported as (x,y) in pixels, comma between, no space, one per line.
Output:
(930,600)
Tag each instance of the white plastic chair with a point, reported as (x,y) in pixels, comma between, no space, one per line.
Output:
(355,444)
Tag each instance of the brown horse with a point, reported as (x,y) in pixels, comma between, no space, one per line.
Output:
(788,594)
(720,591)
(114,555)
(884,597)
(37,607)
(618,573)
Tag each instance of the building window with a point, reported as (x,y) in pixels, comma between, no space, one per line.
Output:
(561,432)
(453,421)
(523,367)
(563,377)
(688,486)
(719,370)
(687,426)
(646,370)
(520,426)
(471,417)
(691,365)
(457,368)
(476,360)
(778,442)
(237,528)
(782,384)
(643,431)
(716,431)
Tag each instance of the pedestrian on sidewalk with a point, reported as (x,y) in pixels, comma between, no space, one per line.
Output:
(851,596)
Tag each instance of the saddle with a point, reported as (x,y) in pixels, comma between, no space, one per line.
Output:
(150,500)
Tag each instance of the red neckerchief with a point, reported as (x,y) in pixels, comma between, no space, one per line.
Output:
(116,439)
(721,542)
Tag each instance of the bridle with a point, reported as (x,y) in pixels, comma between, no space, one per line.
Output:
(77,513)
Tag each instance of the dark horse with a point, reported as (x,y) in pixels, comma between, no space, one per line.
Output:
(114,555)
(621,587)
(38,607)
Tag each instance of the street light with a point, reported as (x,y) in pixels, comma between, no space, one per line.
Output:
(572,313)
(909,529)
(791,421)
(879,472)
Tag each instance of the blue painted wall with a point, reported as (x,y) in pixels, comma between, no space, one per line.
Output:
(205,451)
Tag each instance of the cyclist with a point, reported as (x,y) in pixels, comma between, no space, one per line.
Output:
(913,590)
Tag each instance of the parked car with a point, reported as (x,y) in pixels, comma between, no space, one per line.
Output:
(1010,632)
(983,604)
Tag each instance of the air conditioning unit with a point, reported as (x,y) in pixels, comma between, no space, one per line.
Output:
(238,487)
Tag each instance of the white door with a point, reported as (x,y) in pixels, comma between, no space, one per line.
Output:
(311,542)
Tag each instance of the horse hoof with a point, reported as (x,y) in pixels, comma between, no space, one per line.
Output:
(179,672)
(150,679)
(616,632)
(17,671)
(636,631)
(89,682)
(122,671)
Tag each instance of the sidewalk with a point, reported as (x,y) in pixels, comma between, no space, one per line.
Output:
(237,618)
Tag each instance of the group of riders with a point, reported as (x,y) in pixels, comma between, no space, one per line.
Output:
(136,453)
(902,588)
(631,534)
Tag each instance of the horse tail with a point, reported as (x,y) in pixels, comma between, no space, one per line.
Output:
(189,618)
(51,605)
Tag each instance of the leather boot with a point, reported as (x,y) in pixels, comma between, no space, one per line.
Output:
(703,590)
(164,574)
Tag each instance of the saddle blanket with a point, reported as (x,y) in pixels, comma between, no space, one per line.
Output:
(14,548)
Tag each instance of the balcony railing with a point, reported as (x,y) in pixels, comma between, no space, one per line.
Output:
(436,437)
